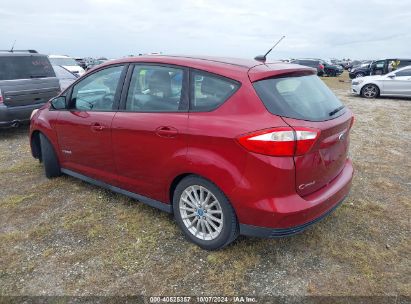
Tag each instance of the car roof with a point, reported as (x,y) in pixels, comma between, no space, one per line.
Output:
(13,54)
(235,68)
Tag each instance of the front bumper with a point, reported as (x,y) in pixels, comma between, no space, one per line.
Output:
(356,89)
(13,116)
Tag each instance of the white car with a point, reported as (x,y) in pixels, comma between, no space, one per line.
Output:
(65,77)
(397,83)
(68,63)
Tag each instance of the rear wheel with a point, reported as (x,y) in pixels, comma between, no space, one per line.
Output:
(49,158)
(332,73)
(204,213)
(370,91)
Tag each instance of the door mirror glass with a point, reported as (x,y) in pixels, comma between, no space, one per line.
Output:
(59,103)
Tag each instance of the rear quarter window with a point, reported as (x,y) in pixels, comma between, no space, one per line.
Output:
(299,97)
(25,67)
(209,91)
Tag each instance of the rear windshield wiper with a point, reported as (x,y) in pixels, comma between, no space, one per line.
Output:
(38,76)
(336,110)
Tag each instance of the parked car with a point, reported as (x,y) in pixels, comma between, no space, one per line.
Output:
(397,83)
(360,70)
(323,67)
(68,63)
(350,64)
(312,63)
(95,63)
(81,62)
(379,67)
(64,76)
(230,146)
(384,66)
(27,81)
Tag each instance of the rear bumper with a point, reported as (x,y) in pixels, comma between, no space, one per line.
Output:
(282,232)
(292,214)
(12,116)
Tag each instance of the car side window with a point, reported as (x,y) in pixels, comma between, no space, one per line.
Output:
(155,89)
(209,91)
(97,91)
(406,72)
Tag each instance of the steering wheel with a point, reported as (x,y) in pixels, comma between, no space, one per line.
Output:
(106,102)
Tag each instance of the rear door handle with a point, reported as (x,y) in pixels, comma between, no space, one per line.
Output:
(96,127)
(166,131)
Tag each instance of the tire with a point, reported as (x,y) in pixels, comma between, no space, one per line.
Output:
(333,73)
(49,158)
(370,91)
(358,75)
(208,234)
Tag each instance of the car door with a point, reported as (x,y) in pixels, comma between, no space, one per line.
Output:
(398,83)
(378,67)
(149,132)
(84,129)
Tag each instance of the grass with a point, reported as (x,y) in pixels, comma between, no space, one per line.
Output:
(66,237)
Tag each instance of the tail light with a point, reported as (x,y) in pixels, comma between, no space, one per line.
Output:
(285,141)
(321,67)
(1,97)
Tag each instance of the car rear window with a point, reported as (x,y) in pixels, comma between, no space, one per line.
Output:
(25,67)
(299,97)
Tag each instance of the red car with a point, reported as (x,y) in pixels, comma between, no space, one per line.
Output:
(229,146)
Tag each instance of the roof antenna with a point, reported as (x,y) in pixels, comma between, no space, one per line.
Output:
(263,58)
(12,47)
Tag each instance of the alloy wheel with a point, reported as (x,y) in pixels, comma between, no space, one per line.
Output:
(201,212)
(370,91)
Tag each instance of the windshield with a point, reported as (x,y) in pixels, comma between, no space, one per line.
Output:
(63,61)
(300,97)
(25,67)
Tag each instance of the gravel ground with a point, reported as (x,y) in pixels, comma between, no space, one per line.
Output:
(66,237)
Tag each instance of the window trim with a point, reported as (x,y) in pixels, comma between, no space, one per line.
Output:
(184,88)
(406,70)
(191,97)
(117,94)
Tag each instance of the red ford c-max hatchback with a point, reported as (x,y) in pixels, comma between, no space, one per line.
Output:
(229,146)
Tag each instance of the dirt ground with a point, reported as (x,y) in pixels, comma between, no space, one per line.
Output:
(66,237)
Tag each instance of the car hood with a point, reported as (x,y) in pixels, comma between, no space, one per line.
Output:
(367,78)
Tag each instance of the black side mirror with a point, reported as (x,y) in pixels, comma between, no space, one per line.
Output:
(59,103)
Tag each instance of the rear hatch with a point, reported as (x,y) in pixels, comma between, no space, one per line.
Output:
(305,101)
(27,80)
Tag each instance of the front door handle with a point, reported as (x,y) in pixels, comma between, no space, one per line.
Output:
(96,127)
(168,132)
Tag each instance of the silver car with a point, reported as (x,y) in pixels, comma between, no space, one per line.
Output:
(396,83)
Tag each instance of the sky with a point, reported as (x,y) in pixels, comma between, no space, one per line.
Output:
(236,28)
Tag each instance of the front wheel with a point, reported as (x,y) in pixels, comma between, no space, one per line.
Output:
(370,91)
(49,158)
(359,75)
(204,213)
